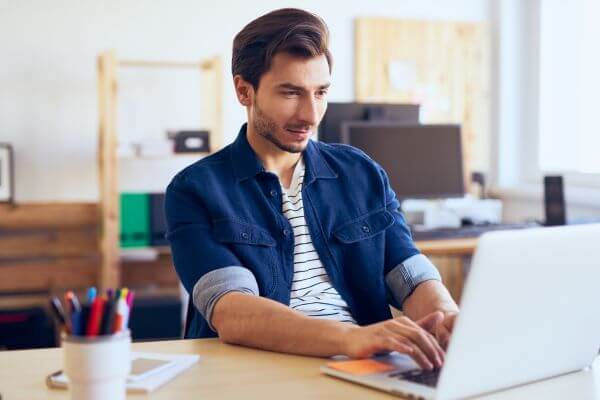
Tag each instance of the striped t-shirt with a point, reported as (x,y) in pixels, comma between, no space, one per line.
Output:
(312,292)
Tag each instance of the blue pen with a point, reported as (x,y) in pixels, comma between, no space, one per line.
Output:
(91,294)
(77,323)
(72,302)
(75,302)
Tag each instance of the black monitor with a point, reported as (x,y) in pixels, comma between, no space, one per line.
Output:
(331,125)
(422,161)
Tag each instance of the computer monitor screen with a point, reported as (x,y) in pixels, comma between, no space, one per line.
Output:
(331,125)
(422,161)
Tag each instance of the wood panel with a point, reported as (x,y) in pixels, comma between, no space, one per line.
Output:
(48,215)
(48,274)
(444,66)
(48,246)
(48,243)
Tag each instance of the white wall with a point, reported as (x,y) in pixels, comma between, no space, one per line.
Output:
(48,108)
(515,45)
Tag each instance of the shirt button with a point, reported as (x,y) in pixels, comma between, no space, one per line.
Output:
(286,232)
(245,235)
(273,192)
(366,229)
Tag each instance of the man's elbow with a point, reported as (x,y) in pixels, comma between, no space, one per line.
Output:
(225,332)
(223,321)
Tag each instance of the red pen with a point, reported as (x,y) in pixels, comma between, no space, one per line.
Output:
(95,317)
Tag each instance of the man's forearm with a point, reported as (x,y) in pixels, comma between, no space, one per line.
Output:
(428,297)
(263,323)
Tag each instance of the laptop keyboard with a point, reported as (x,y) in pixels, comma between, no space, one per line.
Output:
(471,231)
(424,377)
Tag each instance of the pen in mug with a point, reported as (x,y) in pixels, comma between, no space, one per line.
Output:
(108,317)
(120,315)
(73,301)
(94,319)
(129,301)
(74,312)
(91,294)
(59,313)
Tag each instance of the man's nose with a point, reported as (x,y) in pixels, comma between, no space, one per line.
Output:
(309,111)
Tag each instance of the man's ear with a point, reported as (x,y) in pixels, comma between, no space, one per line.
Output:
(243,90)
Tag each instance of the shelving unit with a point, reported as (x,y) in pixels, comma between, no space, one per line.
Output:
(108,160)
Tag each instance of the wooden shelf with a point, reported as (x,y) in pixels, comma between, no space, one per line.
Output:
(108,160)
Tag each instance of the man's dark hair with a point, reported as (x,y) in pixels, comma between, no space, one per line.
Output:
(288,30)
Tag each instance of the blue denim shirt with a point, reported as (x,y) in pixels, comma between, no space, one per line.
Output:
(225,210)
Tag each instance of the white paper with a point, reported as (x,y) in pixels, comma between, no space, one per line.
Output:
(181,362)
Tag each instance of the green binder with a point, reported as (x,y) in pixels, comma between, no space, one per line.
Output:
(135,220)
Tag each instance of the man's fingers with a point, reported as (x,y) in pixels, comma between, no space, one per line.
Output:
(443,336)
(433,324)
(422,340)
(427,337)
(419,356)
(431,321)
(405,346)
(393,344)
(429,345)
(444,329)
(440,326)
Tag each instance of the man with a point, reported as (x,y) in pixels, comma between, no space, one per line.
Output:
(293,245)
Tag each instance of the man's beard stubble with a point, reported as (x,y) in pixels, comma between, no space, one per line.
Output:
(266,128)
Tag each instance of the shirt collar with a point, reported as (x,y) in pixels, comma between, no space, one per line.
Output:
(247,165)
(243,159)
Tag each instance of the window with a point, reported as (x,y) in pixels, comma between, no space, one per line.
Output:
(569,87)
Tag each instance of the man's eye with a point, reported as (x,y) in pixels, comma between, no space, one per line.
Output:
(322,93)
(291,93)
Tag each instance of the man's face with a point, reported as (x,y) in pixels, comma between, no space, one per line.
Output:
(290,101)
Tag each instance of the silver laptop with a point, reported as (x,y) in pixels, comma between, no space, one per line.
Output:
(529,311)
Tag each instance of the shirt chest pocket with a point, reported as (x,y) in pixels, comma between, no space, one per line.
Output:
(255,248)
(237,232)
(364,227)
(359,246)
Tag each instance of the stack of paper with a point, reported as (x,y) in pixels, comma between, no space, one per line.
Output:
(149,371)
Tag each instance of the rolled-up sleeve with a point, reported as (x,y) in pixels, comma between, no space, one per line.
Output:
(405,277)
(215,284)
(207,268)
(405,267)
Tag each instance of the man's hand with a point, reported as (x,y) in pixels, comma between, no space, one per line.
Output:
(440,325)
(399,334)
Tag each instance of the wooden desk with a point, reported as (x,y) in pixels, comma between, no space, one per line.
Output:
(448,247)
(232,372)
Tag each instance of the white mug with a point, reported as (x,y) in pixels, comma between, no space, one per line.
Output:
(97,367)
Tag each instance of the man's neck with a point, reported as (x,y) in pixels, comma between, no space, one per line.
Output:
(274,159)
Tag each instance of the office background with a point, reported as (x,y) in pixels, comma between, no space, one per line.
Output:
(49,104)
